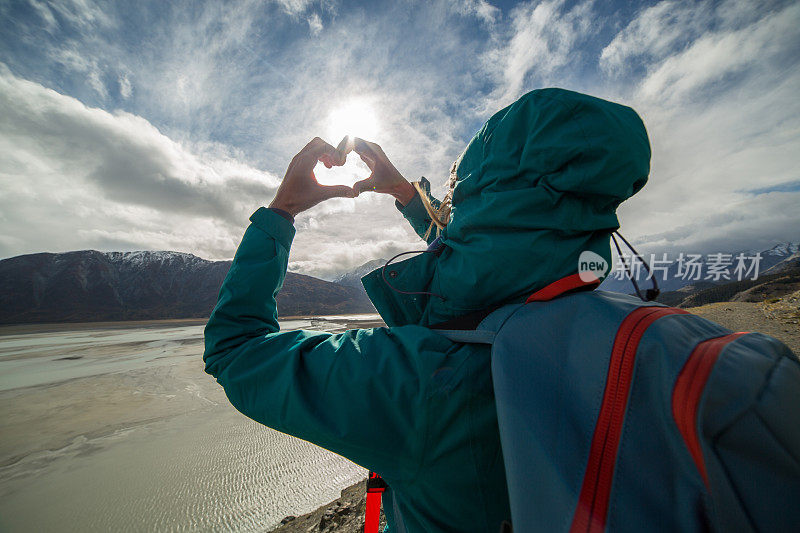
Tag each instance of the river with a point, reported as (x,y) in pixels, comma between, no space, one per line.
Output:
(115,427)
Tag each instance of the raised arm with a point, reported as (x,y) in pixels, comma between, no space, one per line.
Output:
(363,394)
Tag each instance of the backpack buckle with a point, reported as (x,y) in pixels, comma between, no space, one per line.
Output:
(375,483)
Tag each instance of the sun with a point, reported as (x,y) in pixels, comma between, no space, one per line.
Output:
(356,117)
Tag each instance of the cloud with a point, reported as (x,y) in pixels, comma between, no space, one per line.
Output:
(481,9)
(294,7)
(722,122)
(541,39)
(166,127)
(657,31)
(789,186)
(72,60)
(84,14)
(125,86)
(82,166)
(314,23)
(751,224)
(46,14)
(717,56)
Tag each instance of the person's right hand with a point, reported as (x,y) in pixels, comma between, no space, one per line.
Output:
(384,178)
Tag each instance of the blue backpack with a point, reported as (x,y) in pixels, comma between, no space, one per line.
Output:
(629,416)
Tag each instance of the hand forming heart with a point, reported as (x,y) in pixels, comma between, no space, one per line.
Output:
(300,189)
(384,177)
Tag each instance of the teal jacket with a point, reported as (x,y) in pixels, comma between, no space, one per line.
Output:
(404,402)
(537,185)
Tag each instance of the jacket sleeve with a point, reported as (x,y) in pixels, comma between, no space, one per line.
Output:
(361,394)
(416,215)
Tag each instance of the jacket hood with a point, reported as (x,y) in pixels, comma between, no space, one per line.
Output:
(538,185)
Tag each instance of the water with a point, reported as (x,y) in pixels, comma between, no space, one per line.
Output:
(120,430)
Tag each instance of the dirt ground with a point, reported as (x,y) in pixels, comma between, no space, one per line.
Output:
(778,318)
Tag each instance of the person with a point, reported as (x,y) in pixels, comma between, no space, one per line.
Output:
(535,187)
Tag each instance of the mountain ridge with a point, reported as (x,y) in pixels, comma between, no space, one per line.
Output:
(353,277)
(89,285)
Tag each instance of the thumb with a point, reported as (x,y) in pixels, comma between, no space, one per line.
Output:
(338,191)
(364,185)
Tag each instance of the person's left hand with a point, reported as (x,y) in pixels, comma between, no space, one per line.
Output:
(299,189)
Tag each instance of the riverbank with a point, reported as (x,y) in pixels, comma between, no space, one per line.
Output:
(117,427)
(337,323)
(343,515)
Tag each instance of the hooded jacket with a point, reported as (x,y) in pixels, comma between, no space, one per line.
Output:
(538,184)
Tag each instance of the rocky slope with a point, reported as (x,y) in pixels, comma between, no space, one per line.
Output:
(95,286)
(344,515)
(776,284)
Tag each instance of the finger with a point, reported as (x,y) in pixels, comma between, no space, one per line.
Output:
(369,162)
(328,160)
(337,191)
(362,147)
(312,152)
(375,148)
(364,185)
(344,147)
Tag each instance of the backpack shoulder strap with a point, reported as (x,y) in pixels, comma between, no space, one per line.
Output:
(481,327)
(486,330)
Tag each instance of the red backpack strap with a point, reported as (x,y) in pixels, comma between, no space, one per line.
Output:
(561,286)
(375,489)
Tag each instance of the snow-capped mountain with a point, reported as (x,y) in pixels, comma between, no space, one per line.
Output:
(783,249)
(141,258)
(94,286)
(353,277)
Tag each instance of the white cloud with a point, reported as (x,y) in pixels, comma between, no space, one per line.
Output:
(72,173)
(46,14)
(541,40)
(717,55)
(655,33)
(716,84)
(481,9)
(748,223)
(125,86)
(83,14)
(722,118)
(294,7)
(314,23)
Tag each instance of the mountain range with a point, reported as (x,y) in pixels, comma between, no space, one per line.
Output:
(778,266)
(88,286)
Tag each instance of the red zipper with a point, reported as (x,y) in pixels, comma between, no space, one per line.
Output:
(590,515)
(689,390)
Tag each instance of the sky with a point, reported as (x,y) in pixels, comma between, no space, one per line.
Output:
(164,125)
